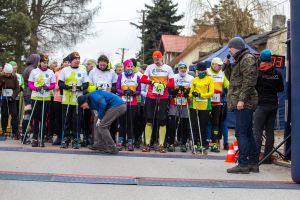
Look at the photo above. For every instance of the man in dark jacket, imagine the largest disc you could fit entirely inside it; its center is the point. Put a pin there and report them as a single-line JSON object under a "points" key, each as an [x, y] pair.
{"points": [[242, 98], [269, 83], [9, 87]]}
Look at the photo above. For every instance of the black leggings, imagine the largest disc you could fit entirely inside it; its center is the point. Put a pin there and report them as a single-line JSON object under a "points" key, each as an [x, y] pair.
{"points": [[126, 122], [215, 119], [182, 132], [37, 118], [71, 122], [203, 119]]}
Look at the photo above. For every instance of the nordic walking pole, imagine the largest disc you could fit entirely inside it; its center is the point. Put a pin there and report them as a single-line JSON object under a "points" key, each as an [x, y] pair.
{"points": [[157, 124], [26, 131], [65, 121], [42, 123], [192, 134], [199, 130]]}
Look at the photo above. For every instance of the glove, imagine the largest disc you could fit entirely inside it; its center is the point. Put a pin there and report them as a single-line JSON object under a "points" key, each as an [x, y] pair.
{"points": [[69, 87], [45, 87], [186, 93], [79, 88], [128, 92], [10, 99], [98, 123], [172, 91], [39, 89], [196, 94], [181, 88], [159, 86]]}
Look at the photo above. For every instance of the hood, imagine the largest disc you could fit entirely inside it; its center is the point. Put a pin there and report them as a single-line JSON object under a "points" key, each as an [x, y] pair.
{"points": [[33, 60], [265, 66]]}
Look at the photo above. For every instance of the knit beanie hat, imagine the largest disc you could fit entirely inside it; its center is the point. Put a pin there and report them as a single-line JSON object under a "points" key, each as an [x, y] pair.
{"points": [[73, 56], [82, 99], [265, 55], [8, 68], [237, 43], [127, 62], [201, 66], [44, 57], [13, 63]]}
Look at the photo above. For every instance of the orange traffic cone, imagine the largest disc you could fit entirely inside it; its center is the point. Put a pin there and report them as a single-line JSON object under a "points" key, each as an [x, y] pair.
{"points": [[230, 157]]}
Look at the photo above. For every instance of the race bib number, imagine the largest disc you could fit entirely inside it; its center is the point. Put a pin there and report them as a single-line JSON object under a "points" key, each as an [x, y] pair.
{"points": [[216, 98], [154, 91], [127, 99], [199, 99], [180, 101], [7, 92]]}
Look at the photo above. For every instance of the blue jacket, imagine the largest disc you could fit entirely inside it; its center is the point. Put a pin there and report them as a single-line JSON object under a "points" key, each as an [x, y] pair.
{"points": [[102, 101]]}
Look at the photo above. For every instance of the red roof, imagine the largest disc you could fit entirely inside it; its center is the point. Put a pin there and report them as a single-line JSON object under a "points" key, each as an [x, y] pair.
{"points": [[175, 43]]}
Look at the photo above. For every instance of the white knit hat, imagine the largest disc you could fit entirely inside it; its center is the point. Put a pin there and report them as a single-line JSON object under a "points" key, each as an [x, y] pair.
{"points": [[8, 68]]}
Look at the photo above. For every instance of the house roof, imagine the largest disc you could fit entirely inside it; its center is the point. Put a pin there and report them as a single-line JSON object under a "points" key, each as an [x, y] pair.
{"points": [[262, 38], [175, 43], [206, 33]]}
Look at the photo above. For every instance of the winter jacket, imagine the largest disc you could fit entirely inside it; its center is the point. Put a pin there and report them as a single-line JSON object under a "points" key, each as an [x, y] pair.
{"points": [[269, 83], [101, 101], [205, 87], [31, 62], [242, 77], [9, 86]]}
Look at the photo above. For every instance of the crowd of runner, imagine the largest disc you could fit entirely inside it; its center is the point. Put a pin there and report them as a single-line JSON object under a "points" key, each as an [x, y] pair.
{"points": [[130, 105]]}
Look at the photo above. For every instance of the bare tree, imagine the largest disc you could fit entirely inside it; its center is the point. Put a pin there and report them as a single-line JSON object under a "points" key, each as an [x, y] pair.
{"points": [[233, 17], [56, 23]]}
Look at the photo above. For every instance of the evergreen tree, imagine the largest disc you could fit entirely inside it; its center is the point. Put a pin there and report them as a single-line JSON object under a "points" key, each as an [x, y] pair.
{"points": [[160, 19], [15, 30]]}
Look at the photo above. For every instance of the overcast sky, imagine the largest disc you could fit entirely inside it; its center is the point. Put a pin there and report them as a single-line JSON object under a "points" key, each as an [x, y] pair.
{"points": [[114, 35]]}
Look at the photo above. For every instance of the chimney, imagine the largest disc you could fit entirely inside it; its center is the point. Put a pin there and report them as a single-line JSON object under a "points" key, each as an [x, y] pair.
{"points": [[279, 21]]}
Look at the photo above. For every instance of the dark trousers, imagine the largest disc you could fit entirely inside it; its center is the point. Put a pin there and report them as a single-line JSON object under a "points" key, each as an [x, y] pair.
{"points": [[71, 119], [58, 118], [87, 124], [243, 131], [126, 122], [51, 122], [139, 123], [203, 120], [11, 106], [215, 119], [264, 119], [38, 114], [182, 129]]}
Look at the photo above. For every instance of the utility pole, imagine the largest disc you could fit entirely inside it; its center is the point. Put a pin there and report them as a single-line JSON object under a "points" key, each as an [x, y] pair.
{"points": [[143, 36], [123, 53]]}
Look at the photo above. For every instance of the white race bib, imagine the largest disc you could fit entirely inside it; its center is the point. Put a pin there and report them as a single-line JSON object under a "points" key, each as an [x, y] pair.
{"points": [[7, 92], [180, 101], [127, 99], [216, 98], [199, 99]]}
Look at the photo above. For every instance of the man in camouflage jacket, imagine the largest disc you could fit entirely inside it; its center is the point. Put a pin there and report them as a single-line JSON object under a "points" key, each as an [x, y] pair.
{"points": [[242, 99]]}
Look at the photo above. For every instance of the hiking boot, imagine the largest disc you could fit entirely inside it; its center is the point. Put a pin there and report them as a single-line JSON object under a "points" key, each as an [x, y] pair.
{"points": [[42, 144], [238, 169], [75, 144], [110, 150], [183, 148], [120, 146], [65, 144], [146, 148], [34, 143], [130, 147], [57, 141], [171, 148], [162, 149], [226, 147], [253, 168], [214, 148]]}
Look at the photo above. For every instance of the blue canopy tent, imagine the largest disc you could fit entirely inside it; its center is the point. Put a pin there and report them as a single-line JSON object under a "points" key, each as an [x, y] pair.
{"points": [[222, 53]]}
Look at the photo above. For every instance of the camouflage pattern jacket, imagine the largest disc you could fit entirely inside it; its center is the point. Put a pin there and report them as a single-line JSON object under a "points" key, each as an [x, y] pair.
{"points": [[242, 77]]}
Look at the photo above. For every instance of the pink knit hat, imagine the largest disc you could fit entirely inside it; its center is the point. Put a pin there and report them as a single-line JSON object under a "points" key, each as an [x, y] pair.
{"points": [[127, 62]]}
